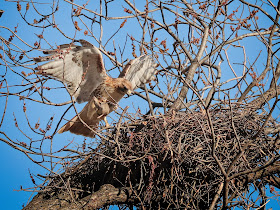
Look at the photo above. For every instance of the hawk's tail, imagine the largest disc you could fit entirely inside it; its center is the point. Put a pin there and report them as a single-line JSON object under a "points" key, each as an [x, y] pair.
{"points": [[87, 126]]}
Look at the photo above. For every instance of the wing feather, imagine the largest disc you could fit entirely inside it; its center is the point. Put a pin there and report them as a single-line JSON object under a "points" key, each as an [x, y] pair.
{"points": [[81, 68], [139, 71]]}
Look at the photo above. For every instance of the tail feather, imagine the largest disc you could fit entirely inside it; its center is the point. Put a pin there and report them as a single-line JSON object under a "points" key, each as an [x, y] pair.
{"points": [[90, 119]]}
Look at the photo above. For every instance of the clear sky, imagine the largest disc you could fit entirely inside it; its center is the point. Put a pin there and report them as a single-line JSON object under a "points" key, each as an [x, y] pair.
{"points": [[14, 165]]}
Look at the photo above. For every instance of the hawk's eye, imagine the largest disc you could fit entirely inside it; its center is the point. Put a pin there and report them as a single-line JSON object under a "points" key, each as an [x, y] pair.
{"points": [[124, 89]]}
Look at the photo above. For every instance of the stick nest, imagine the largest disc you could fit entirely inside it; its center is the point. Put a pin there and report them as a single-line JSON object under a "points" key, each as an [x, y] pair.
{"points": [[176, 160]]}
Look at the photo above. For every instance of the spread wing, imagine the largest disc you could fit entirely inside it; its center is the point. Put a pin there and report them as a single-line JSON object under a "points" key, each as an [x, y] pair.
{"points": [[139, 71], [81, 68]]}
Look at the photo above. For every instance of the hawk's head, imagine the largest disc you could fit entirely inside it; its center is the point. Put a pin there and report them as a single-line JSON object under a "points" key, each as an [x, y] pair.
{"points": [[123, 86]]}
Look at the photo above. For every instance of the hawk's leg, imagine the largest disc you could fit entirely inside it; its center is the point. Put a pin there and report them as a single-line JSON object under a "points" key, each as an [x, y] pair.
{"points": [[106, 122], [111, 107], [103, 109]]}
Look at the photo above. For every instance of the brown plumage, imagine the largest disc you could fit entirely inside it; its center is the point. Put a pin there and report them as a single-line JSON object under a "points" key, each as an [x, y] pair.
{"points": [[82, 70], [108, 95]]}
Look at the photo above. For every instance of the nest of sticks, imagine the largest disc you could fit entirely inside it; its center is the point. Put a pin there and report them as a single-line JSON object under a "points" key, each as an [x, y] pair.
{"points": [[175, 160]]}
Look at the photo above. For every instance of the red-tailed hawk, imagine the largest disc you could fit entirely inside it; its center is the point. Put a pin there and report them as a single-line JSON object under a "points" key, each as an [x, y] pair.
{"points": [[82, 71]]}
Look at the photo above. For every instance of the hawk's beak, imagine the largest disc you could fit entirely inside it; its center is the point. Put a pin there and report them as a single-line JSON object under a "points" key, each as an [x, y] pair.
{"points": [[129, 92]]}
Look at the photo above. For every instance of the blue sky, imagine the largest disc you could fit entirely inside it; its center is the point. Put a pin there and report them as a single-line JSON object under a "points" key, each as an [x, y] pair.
{"points": [[15, 165]]}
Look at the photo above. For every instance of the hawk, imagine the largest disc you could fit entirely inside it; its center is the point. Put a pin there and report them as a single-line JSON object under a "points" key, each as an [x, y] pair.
{"points": [[82, 71]]}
